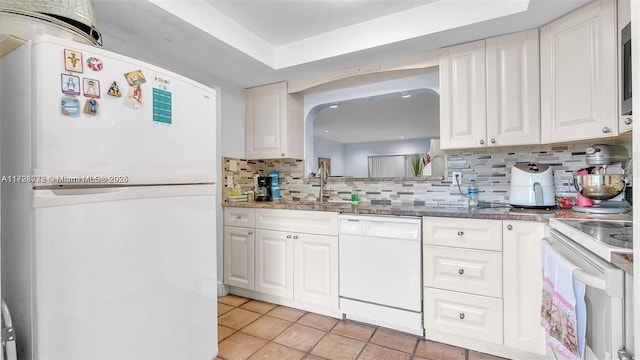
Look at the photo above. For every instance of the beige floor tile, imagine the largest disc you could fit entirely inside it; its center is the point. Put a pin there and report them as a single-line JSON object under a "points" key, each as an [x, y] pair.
{"points": [[240, 346], [354, 330], [286, 313], [237, 318], [224, 332], [438, 351], [336, 347], [224, 308], [266, 327], [395, 340], [233, 300], [375, 352], [312, 357], [474, 355], [317, 321], [258, 306], [300, 337], [273, 351]]}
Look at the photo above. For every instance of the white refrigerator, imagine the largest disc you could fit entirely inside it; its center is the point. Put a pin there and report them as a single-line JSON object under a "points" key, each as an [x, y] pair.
{"points": [[108, 205]]}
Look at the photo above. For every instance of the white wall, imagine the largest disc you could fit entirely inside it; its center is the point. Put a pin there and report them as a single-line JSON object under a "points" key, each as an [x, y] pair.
{"points": [[356, 155], [328, 149]]}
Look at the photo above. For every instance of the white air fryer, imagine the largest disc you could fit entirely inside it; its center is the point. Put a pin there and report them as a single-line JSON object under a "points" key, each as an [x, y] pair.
{"points": [[532, 186]]}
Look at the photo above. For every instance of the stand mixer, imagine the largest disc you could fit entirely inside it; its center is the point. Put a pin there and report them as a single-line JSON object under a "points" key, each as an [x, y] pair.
{"points": [[606, 181]]}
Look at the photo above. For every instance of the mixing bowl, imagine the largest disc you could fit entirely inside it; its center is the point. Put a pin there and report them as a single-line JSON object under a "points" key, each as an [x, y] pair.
{"points": [[599, 187]]}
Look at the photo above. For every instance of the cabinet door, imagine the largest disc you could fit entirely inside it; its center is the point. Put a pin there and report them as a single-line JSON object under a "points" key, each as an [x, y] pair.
{"points": [[523, 285], [316, 269], [274, 123], [463, 118], [513, 89], [274, 263], [239, 257], [578, 81]]}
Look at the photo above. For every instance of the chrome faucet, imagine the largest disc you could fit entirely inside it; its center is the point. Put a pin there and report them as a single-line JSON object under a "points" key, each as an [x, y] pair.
{"points": [[322, 173]]}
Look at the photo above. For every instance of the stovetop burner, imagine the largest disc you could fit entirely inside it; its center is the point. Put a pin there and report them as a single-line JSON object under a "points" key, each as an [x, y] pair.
{"points": [[613, 233]]}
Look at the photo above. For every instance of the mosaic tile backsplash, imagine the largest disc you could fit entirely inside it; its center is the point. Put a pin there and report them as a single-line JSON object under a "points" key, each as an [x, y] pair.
{"points": [[491, 168]]}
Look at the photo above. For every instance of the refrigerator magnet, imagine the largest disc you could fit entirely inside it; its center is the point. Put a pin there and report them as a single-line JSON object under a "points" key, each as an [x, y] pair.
{"points": [[91, 107], [114, 90], [135, 78], [91, 88], [70, 106], [134, 97], [72, 60], [70, 84], [94, 63]]}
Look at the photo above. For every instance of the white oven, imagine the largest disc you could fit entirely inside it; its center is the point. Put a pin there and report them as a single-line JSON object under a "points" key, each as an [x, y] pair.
{"points": [[609, 328]]}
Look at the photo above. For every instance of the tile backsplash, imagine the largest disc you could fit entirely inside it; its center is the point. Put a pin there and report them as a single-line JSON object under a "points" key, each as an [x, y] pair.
{"points": [[491, 168]]}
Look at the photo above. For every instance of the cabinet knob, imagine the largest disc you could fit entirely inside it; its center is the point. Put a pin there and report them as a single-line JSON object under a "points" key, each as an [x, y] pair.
{"points": [[461, 271], [281, 154], [250, 232], [481, 142], [493, 141], [460, 233], [628, 121], [461, 315], [295, 236], [288, 236], [606, 130], [509, 227], [238, 217]]}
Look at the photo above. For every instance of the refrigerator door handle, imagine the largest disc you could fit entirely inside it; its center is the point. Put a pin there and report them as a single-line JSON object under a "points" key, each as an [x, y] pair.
{"points": [[59, 197]]}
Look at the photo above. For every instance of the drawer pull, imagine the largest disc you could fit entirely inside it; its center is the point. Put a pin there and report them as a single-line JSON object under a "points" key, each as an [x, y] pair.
{"points": [[461, 271], [288, 236], [295, 236], [460, 233], [628, 121], [238, 217], [462, 316], [606, 130], [250, 232], [509, 227]]}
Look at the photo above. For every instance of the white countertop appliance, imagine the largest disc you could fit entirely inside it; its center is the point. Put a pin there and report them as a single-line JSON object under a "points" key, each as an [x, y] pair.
{"points": [[588, 244], [380, 261], [532, 186], [108, 249]]}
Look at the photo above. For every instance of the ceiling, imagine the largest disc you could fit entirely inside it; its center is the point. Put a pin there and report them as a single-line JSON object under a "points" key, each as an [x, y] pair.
{"points": [[246, 43]]}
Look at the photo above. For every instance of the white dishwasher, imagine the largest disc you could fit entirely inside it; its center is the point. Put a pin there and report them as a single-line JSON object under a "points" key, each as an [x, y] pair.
{"points": [[380, 261]]}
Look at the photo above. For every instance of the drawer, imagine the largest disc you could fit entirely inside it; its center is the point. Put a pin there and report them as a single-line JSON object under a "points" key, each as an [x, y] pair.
{"points": [[299, 221], [241, 217], [473, 316], [471, 271], [465, 233]]}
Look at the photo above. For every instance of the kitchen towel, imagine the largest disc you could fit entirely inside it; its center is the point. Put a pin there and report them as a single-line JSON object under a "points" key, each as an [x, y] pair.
{"points": [[563, 312]]}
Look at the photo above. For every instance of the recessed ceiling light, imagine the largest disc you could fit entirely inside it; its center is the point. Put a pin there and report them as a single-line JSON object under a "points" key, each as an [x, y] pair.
{"points": [[334, 106], [326, 131], [401, 136], [406, 95]]}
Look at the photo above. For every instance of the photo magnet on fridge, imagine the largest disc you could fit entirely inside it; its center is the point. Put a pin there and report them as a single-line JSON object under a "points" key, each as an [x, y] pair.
{"points": [[94, 63], [91, 88], [134, 97], [114, 90], [70, 106], [72, 60], [70, 84], [135, 78], [91, 107]]}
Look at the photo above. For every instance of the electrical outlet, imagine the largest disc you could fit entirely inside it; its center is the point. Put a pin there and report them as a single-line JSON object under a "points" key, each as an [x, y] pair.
{"points": [[456, 177]]}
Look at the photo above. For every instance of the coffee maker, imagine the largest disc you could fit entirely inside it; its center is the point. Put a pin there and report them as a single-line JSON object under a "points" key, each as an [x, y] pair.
{"points": [[264, 189], [604, 180]]}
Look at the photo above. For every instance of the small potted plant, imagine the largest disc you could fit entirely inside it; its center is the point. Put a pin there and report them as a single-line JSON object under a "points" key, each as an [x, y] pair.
{"points": [[416, 165]]}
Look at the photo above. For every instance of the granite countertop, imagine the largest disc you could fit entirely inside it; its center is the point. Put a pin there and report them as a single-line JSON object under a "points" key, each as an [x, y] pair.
{"points": [[497, 213]]}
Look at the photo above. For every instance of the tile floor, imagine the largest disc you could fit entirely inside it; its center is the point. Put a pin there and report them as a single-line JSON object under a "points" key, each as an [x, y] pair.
{"points": [[252, 329]]}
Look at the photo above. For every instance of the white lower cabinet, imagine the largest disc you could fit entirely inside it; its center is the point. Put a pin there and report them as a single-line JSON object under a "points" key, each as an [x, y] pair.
{"points": [[290, 258], [274, 263], [523, 285], [483, 285]]}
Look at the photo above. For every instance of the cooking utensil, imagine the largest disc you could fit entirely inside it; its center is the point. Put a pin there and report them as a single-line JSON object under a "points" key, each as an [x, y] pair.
{"points": [[599, 187]]}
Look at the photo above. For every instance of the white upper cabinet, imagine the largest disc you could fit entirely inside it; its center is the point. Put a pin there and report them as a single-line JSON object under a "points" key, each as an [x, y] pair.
{"points": [[513, 89], [274, 123], [578, 82], [463, 114], [490, 93]]}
